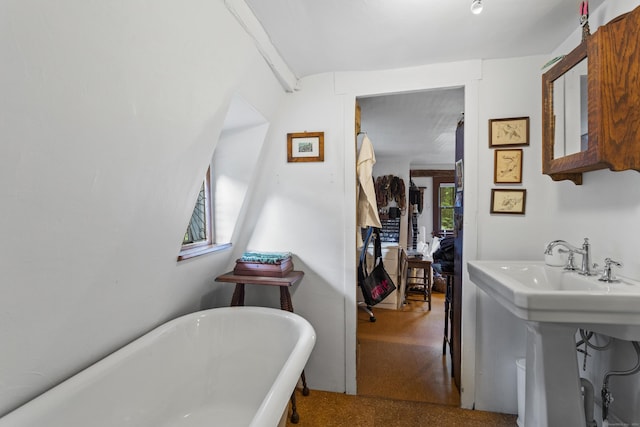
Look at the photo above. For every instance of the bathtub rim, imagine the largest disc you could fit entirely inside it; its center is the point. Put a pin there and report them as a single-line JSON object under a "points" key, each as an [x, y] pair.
{"points": [[267, 414]]}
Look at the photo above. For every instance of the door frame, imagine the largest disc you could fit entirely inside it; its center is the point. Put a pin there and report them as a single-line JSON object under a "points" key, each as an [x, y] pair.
{"points": [[465, 74]]}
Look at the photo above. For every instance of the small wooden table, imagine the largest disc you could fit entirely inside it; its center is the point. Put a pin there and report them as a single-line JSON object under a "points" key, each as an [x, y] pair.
{"points": [[285, 304], [425, 266], [283, 282]]}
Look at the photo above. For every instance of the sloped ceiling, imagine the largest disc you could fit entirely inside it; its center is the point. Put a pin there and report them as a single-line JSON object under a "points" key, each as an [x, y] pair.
{"points": [[315, 36]]}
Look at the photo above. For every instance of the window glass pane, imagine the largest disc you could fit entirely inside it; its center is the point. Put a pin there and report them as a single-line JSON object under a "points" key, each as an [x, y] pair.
{"points": [[197, 229], [447, 199]]}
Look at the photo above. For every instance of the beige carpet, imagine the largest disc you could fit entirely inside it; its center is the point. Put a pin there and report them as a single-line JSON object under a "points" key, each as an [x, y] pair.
{"points": [[323, 409], [400, 355], [403, 379]]}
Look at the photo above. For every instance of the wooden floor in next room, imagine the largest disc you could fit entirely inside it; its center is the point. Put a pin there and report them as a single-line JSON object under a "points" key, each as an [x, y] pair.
{"points": [[403, 379]]}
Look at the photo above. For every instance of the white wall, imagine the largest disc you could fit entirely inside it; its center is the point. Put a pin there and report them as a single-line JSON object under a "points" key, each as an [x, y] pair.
{"points": [[309, 208], [299, 207], [234, 163], [509, 88], [108, 119], [605, 209], [504, 88], [109, 115]]}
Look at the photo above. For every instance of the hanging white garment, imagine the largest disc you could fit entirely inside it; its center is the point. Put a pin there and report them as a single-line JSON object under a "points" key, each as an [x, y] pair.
{"points": [[366, 194]]}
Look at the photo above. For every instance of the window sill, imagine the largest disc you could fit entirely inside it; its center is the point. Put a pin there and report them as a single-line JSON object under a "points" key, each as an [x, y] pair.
{"points": [[202, 250]]}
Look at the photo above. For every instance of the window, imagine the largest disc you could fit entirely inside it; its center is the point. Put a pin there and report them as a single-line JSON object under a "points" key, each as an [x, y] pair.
{"points": [[445, 205], [199, 228], [444, 196], [199, 236], [225, 189]]}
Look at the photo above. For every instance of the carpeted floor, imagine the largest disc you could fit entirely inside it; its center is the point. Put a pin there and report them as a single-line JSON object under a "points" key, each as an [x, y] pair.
{"points": [[403, 379], [323, 409], [400, 355]]}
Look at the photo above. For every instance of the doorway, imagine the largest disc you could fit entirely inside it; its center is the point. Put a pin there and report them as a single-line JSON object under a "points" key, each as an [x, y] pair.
{"points": [[400, 355]]}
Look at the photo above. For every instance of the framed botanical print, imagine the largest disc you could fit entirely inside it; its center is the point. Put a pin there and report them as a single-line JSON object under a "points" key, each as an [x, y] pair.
{"points": [[509, 132], [508, 201], [507, 166]]}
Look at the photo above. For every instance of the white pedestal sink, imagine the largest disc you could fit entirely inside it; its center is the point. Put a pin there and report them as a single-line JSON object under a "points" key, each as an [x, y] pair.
{"points": [[555, 303]]}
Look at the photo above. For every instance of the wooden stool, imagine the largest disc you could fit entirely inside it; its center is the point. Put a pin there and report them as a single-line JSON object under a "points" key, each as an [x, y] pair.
{"points": [[285, 304], [424, 280], [448, 314]]}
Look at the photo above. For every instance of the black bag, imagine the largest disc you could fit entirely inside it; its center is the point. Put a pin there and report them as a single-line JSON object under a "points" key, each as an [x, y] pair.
{"points": [[376, 285]]}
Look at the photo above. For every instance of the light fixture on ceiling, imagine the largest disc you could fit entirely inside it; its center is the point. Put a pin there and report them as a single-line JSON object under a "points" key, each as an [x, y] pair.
{"points": [[476, 7]]}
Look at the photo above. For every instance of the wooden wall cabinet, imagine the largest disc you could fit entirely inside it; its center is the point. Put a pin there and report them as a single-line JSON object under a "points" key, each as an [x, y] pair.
{"points": [[613, 103]]}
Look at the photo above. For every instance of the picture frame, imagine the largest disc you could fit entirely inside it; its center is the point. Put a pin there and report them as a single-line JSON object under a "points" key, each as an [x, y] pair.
{"points": [[508, 201], [305, 147], [507, 166], [509, 132], [459, 176]]}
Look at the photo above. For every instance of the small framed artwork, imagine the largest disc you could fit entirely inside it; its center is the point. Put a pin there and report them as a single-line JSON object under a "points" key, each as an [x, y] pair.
{"points": [[509, 132], [508, 201], [507, 166], [305, 147], [459, 176]]}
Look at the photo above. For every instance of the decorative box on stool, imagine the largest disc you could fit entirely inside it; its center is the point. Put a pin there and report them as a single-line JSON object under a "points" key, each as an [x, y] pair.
{"points": [[270, 264]]}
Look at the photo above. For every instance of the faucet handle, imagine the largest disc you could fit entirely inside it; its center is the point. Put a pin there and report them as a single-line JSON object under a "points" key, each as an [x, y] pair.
{"points": [[609, 261], [607, 272], [570, 266]]}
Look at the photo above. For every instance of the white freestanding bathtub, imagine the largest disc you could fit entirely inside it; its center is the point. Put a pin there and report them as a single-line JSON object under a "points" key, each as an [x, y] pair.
{"points": [[226, 367]]}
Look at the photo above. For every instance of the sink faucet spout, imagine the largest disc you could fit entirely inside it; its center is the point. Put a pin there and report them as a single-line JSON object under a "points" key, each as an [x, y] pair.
{"points": [[555, 243], [585, 251]]}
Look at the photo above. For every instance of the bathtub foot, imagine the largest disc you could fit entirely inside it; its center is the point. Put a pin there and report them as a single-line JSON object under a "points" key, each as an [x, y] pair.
{"points": [[294, 409], [305, 389]]}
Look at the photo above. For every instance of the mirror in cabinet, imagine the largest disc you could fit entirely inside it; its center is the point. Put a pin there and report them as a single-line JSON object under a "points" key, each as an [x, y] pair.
{"points": [[590, 117], [571, 124], [565, 117]]}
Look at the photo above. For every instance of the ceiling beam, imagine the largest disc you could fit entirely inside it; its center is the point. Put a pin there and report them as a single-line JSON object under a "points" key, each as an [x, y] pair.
{"points": [[252, 26]]}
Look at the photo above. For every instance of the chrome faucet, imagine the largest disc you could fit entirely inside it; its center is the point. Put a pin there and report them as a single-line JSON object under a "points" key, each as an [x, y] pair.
{"points": [[585, 251], [607, 273]]}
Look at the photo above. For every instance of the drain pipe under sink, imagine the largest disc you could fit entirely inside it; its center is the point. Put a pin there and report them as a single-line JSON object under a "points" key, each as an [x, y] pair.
{"points": [[588, 402], [607, 398]]}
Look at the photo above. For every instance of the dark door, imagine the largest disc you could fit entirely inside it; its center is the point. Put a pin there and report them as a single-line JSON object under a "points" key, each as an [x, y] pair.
{"points": [[458, 212]]}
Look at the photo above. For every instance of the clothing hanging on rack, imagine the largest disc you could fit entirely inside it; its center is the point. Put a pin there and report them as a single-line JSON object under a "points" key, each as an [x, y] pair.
{"points": [[367, 208], [367, 215]]}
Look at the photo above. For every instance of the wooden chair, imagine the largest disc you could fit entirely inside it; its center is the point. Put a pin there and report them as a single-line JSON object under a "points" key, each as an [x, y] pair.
{"points": [[448, 316], [419, 282]]}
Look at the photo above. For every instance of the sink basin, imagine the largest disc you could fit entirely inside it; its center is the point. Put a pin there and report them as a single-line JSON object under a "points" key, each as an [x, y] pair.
{"points": [[555, 303], [536, 292]]}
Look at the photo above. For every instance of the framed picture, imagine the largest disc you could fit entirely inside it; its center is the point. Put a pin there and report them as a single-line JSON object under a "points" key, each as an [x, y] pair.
{"points": [[508, 201], [513, 131], [305, 147], [507, 166], [459, 176]]}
